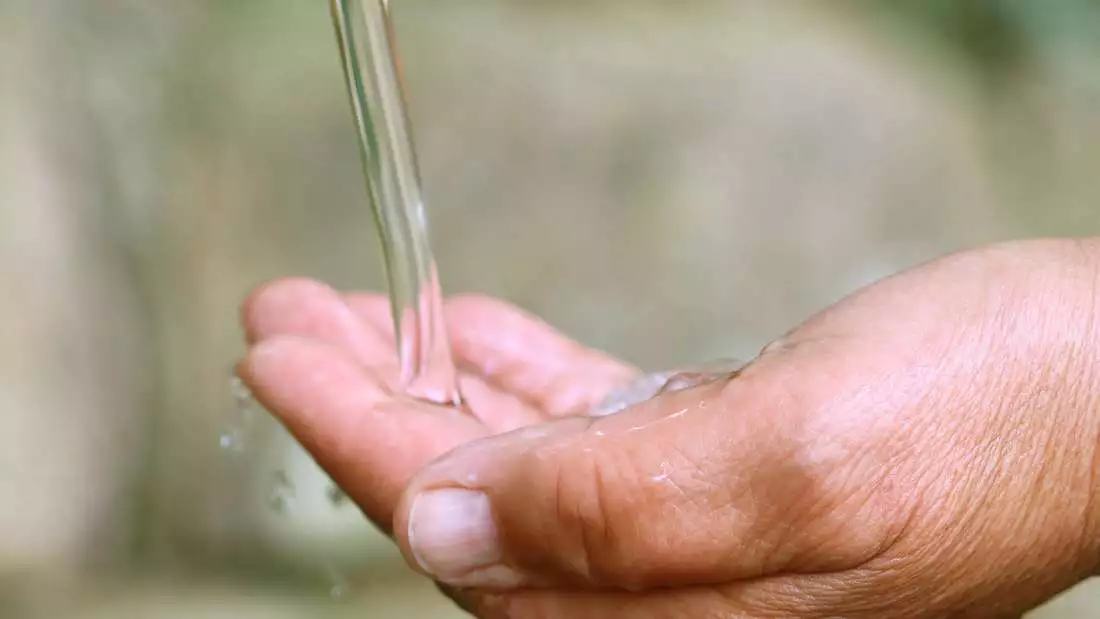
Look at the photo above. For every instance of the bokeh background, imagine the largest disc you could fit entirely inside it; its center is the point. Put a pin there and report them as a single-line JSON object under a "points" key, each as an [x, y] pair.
{"points": [[671, 181]]}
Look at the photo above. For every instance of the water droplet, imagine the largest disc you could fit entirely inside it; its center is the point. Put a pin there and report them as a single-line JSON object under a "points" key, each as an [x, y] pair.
{"points": [[336, 496], [277, 504], [281, 494], [240, 391], [650, 386], [243, 421], [339, 588]]}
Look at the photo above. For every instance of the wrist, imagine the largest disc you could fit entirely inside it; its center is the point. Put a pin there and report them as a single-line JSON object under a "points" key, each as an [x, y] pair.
{"points": [[1080, 347], [1090, 404], [1083, 361], [1059, 292]]}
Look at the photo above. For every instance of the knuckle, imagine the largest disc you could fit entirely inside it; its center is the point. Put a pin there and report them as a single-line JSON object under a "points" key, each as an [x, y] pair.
{"points": [[597, 508]]}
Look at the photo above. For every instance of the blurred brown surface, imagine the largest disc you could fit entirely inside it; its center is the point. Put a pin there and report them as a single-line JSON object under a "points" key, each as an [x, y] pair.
{"points": [[671, 182]]}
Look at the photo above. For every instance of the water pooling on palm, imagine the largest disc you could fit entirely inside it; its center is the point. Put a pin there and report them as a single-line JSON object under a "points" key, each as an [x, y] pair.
{"points": [[366, 44]]}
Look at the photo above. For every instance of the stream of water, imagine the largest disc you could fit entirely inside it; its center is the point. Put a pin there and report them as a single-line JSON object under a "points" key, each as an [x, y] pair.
{"points": [[364, 34], [372, 72]]}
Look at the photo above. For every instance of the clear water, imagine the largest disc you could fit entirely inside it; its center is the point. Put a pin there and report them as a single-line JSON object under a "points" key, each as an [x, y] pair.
{"points": [[364, 35], [649, 386], [365, 39], [239, 432]]}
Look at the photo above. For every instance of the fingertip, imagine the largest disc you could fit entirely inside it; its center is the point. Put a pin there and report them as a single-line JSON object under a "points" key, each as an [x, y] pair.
{"points": [[310, 309], [283, 305], [249, 310], [298, 378], [265, 358]]}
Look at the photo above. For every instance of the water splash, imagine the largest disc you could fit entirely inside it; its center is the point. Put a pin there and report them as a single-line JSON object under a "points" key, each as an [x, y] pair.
{"points": [[364, 34], [339, 586], [653, 385], [243, 426], [281, 493], [251, 436]]}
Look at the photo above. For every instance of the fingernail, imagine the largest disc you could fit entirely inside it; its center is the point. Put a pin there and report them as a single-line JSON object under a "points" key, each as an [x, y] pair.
{"points": [[454, 538]]}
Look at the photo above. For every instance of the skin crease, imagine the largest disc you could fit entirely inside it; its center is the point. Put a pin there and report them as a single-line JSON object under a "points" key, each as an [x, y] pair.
{"points": [[925, 448]]}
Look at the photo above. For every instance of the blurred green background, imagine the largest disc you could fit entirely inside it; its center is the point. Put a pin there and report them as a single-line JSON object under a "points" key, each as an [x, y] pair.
{"points": [[671, 181]]}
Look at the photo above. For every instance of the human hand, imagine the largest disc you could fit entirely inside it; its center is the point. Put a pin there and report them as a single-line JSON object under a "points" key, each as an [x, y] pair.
{"points": [[925, 448]]}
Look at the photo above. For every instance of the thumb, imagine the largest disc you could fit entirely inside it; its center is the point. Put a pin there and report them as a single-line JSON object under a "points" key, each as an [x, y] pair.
{"points": [[698, 486]]}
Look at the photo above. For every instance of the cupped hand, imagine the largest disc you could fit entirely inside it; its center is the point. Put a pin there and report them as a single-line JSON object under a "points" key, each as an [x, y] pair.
{"points": [[324, 363], [925, 448]]}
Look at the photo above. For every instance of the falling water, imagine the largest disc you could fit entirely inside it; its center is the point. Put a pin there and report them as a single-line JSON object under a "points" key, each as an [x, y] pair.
{"points": [[364, 33], [365, 39]]}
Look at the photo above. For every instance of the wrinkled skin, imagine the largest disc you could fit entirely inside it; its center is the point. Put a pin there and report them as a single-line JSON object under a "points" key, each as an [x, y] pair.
{"points": [[925, 448]]}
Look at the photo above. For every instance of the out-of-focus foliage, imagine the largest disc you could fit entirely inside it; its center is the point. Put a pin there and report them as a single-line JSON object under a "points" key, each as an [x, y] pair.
{"points": [[997, 37]]}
